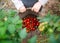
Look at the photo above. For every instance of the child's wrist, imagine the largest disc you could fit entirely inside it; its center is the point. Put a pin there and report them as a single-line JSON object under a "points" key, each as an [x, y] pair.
{"points": [[39, 3], [43, 2]]}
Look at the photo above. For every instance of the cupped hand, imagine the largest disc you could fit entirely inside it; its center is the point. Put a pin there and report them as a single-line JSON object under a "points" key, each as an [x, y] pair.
{"points": [[22, 9], [36, 7]]}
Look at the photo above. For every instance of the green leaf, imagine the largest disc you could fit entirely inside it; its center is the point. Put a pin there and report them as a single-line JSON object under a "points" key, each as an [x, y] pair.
{"points": [[56, 24], [12, 13], [58, 40], [52, 39], [10, 19], [19, 24], [6, 24], [7, 41], [15, 19], [2, 14], [58, 29], [2, 31], [50, 31], [33, 39], [1, 23], [4, 36], [23, 33], [11, 28], [45, 20]]}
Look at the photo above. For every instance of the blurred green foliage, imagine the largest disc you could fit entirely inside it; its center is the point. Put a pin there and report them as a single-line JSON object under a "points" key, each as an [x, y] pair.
{"points": [[51, 24], [11, 28]]}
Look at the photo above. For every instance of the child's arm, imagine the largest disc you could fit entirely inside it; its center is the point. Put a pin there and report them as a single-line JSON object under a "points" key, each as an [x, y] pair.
{"points": [[19, 5]]}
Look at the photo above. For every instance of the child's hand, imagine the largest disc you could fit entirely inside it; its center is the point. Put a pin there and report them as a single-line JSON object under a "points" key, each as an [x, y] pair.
{"points": [[22, 9], [36, 7]]}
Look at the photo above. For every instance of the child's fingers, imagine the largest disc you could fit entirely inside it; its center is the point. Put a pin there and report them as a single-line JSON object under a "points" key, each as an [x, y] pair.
{"points": [[32, 8], [22, 10], [36, 10]]}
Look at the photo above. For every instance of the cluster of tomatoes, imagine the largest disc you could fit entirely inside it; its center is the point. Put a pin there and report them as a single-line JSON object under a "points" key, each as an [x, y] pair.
{"points": [[31, 23]]}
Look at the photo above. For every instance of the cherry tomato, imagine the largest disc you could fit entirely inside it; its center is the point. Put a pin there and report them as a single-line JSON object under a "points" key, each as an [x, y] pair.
{"points": [[30, 23]]}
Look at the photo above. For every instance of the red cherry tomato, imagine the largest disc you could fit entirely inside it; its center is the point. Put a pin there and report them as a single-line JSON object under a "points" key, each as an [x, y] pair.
{"points": [[30, 23], [33, 29]]}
